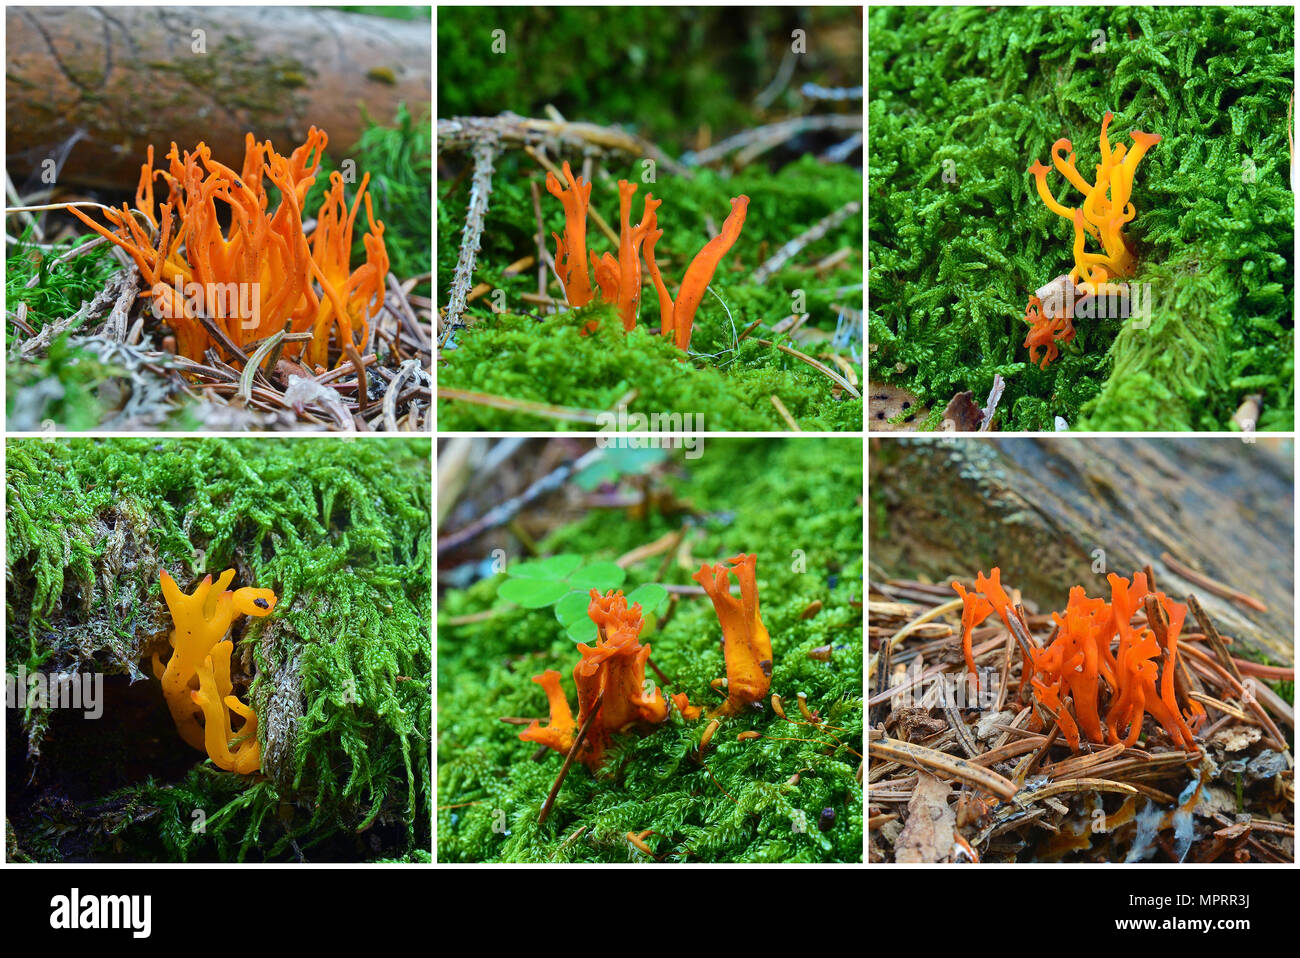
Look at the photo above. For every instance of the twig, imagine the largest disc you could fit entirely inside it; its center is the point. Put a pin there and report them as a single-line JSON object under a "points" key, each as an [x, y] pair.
{"points": [[466, 130], [761, 139], [568, 759], [271, 343], [1212, 634], [1211, 585], [390, 397], [592, 213], [543, 258], [1067, 785], [500, 515], [220, 336], [484, 151], [363, 391], [785, 413], [808, 237], [815, 364], [927, 759], [545, 410], [406, 314]]}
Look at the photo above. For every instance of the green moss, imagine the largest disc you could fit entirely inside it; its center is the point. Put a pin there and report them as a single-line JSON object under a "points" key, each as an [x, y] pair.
{"points": [[340, 530], [552, 363], [519, 357], [982, 93], [794, 504], [52, 290]]}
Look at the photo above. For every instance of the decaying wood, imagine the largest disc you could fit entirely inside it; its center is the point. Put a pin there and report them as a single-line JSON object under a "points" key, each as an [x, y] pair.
{"points": [[118, 79], [1041, 509]]}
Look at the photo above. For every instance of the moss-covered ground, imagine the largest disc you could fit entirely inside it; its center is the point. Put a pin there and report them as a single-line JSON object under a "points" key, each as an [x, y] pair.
{"points": [[525, 356], [797, 506], [963, 100], [340, 672]]}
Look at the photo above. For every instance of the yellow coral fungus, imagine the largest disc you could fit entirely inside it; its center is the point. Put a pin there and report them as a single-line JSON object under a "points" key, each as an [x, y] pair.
{"points": [[746, 644], [262, 274], [1105, 208], [1102, 215], [214, 698], [196, 678]]}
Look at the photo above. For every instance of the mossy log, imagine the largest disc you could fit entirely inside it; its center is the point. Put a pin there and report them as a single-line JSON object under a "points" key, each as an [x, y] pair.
{"points": [[1050, 511], [103, 84]]}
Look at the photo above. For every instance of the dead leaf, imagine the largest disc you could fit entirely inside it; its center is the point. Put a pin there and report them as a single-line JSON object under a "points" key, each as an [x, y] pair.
{"points": [[1236, 737], [962, 412], [931, 826]]}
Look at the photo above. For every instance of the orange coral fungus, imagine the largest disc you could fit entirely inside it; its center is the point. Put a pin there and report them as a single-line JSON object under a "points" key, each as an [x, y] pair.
{"points": [[201, 657], [1081, 668], [571, 250], [615, 668], [619, 279], [698, 275], [746, 644], [262, 274], [1045, 331]]}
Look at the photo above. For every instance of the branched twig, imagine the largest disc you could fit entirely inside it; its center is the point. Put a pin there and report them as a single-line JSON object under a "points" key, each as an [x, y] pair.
{"points": [[485, 151], [812, 235], [585, 137], [761, 139], [500, 515], [568, 760]]}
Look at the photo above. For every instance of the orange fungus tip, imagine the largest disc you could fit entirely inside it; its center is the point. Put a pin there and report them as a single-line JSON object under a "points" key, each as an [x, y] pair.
{"points": [[619, 279]]}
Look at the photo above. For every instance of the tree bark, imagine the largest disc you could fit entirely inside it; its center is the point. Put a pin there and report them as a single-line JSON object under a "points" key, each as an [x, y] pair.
{"points": [[103, 83], [1040, 509]]}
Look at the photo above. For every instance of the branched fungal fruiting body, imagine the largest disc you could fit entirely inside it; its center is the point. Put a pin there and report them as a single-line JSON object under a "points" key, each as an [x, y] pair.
{"points": [[1137, 675], [747, 646], [571, 249], [1106, 208], [1046, 331], [611, 673], [619, 279], [201, 657], [262, 275]]}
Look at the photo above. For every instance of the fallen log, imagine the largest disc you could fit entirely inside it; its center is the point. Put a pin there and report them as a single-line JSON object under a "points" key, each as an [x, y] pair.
{"points": [[93, 87]]}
